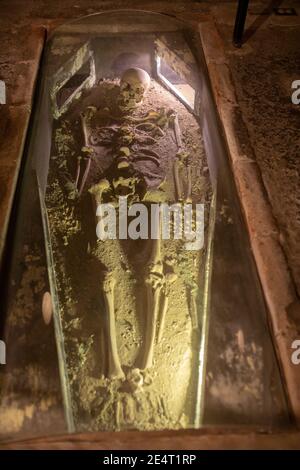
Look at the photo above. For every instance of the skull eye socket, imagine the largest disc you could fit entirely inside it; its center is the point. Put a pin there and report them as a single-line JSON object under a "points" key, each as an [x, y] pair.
{"points": [[125, 86]]}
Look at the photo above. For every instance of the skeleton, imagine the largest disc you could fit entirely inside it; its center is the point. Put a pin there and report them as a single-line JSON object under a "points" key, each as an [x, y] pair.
{"points": [[135, 82], [155, 279], [132, 135]]}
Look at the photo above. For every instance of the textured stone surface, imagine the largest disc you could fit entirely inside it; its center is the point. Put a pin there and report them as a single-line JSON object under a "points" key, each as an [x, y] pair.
{"points": [[262, 132], [204, 439], [265, 145], [14, 129], [19, 61], [273, 123]]}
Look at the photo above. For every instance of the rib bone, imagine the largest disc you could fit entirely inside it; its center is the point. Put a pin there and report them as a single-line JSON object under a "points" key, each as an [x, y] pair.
{"points": [[181, 156], [177, 163], [85, 116]]}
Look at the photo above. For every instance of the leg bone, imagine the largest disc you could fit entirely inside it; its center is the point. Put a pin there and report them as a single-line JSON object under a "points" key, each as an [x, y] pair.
{"points": [[192, 294], [114, 366], [97, 192], [154, 285], [85, 116], [177, 132], [169, 279]]}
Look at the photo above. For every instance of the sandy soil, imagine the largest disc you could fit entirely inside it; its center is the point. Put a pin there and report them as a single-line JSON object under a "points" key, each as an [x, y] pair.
{"points": [[273, 123], [165, 394]]}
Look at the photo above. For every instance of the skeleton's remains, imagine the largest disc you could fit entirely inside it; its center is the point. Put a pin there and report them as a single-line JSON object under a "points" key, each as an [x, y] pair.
{"points": [[154, 328], [132, 311]]}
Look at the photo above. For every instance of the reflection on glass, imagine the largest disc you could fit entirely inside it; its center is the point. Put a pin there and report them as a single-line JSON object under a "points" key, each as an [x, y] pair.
{"points": [[150, 333]]}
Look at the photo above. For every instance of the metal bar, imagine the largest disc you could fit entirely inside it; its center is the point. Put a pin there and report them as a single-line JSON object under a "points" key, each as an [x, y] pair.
{"points": [[240, 20]]}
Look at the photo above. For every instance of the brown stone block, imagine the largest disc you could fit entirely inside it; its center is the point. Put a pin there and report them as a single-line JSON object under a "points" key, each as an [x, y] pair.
{"points": [[212, 43], [21, 44], [257, 212], [19, 61], [7, 184], [221, 79], [205, 438], [271, 263], [11, 144], [3, 121], [11, 150], [19, 79]]}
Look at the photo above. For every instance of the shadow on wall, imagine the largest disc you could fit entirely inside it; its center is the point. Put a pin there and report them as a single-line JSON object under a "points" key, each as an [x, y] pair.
{"points": [[261, 19]]}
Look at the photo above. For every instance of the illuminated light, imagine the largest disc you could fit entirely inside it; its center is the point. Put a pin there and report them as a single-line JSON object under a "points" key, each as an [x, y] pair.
{"points": [[185, 92], [206, 318]]}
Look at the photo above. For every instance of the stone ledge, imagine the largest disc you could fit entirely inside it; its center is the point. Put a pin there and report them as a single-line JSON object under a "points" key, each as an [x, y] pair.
{"points": [[21, 44], [202, 439], [19, 79], [11, 150], [16, 113], [277, 284]]}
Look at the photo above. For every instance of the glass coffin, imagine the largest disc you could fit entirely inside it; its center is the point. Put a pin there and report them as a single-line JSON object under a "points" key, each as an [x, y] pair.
{"points": [[159, 318]]}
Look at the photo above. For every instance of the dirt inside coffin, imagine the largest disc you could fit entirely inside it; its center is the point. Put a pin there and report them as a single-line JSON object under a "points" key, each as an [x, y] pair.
{"points": [[163, 396]]}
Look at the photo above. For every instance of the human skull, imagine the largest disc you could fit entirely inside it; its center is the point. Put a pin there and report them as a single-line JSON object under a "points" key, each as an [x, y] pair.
{"points": [[134, 83]]}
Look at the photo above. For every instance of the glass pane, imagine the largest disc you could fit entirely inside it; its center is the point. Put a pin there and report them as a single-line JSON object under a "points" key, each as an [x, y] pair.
{"points": [[152, 331]]}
